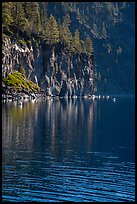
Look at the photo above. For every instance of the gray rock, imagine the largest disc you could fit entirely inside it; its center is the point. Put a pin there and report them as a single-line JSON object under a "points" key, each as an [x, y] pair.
{"points": [[55, 70]]}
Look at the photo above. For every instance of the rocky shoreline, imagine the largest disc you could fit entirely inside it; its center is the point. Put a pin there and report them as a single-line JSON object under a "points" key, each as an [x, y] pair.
{"points": [[32, 96], [21, 96]]}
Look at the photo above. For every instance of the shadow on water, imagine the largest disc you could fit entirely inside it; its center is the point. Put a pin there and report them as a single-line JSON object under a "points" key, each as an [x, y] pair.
{"points": [[68, 150]]}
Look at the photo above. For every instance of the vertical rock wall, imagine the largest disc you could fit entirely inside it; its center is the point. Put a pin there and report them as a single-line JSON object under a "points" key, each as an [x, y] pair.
{"points": [[53, 68]]}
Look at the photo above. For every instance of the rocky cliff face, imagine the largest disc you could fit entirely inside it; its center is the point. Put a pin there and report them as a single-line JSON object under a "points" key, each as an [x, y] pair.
{"points": [[111, 26], [57, 71]]}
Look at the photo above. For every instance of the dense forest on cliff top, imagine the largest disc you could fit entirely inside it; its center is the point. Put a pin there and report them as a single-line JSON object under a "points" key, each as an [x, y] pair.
{"points": [[25, 20], [106, 26]]}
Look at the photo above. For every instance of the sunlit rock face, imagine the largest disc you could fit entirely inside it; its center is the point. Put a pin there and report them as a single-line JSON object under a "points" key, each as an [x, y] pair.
{"points": [[57, 71]]}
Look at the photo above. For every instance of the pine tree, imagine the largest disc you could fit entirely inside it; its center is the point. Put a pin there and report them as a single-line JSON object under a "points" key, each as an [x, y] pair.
{"points": [[77, 44], [69, 39], [6, 15], [27, 9], [32, 13], [65, 35], [43, 17], [35, 18], [52, 31], [66, 20], [19, 20], [88, 46]]}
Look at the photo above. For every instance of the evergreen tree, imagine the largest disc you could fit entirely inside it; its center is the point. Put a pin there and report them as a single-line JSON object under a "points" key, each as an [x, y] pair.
{"points": [[65, 35], [43, 17], [88, 45], [32, 13], [19, 20], [35, 18], [66, 20], [31, 17], [77, 44], [27, 9], [52, 31], [69, 39], [6, 15]]}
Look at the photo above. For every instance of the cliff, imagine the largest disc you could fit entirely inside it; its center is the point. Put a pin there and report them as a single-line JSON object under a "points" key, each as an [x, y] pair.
{"points": [[111, 26], [53, 68]]}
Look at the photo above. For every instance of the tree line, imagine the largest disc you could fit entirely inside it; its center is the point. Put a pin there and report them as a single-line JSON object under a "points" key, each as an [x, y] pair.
{"points": [[31, 18]]}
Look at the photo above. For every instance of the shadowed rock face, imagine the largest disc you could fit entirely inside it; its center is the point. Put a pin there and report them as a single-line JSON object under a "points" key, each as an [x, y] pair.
{"points": [[111, 26], [57, 71]]}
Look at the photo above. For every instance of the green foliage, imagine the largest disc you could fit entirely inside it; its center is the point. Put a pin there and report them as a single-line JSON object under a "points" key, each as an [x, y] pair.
{"points": [[66, 20], [35, 17], [43, 17], [7, 18], [65, 35], [19, 82], [22, 42], [22, 71], [52, 31], [77, 44], [27, 9], [28, 20], [19, 20], [88, 46], [4, 36]]}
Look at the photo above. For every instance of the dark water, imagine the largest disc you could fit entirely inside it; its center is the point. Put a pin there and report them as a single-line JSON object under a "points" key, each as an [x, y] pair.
{"points": [[76, 150]]}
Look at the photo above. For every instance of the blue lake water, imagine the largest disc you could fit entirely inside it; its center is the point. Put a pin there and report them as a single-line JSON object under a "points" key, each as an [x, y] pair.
{"points": [[69, 150]]}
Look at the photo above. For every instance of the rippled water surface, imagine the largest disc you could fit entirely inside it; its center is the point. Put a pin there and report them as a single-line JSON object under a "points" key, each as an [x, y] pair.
{"points": [[75, 150]]}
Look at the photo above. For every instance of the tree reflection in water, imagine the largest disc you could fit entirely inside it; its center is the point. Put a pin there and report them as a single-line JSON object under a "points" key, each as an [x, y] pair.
{"points": [[48, 123]]}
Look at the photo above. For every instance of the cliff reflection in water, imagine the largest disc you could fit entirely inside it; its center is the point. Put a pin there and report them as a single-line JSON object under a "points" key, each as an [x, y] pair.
{"points": [[17, 125], [46, 124]]}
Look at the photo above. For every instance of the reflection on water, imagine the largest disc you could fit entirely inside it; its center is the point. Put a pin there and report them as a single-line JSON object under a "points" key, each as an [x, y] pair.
{"points": [[18, 121], [30, 124], [68, 150]]}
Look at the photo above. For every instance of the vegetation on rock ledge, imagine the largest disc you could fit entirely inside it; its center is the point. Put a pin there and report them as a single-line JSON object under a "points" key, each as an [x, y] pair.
{"points": [[20, 83]]}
